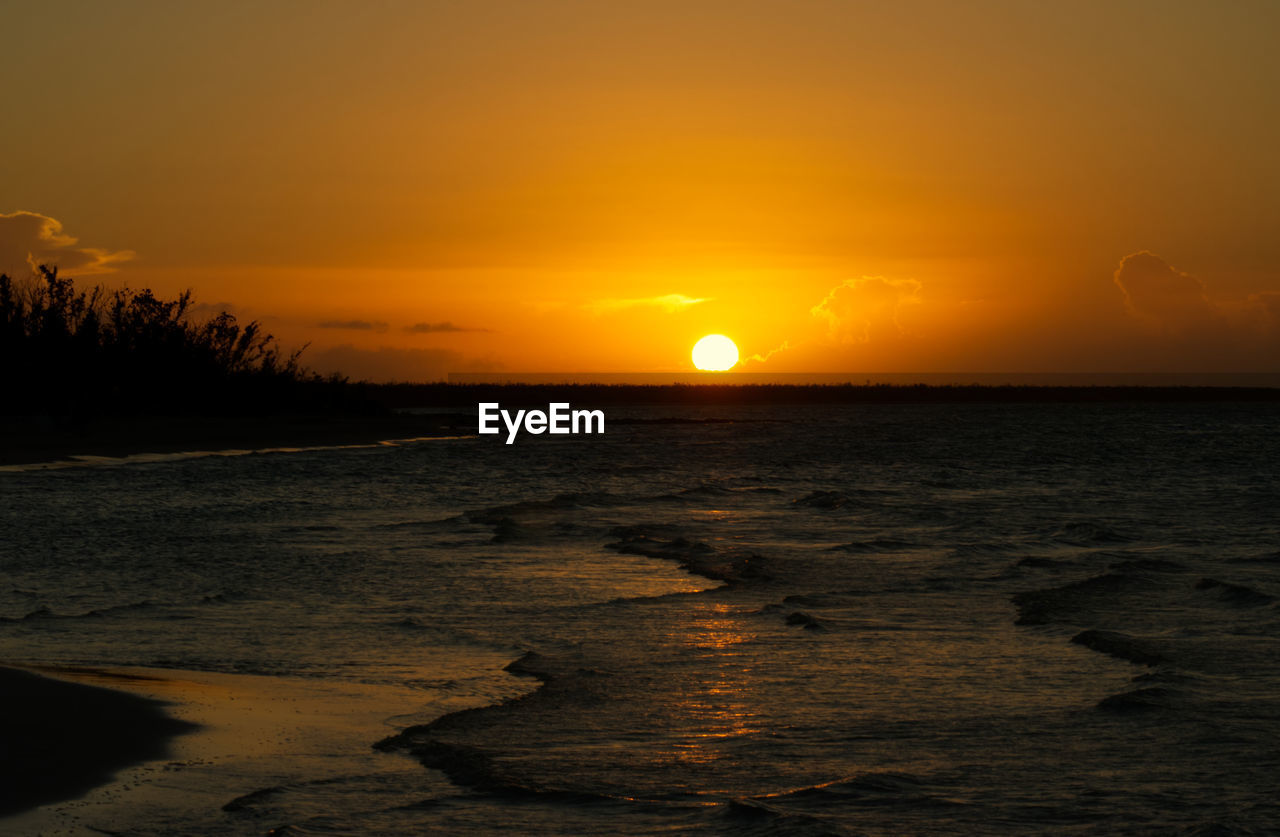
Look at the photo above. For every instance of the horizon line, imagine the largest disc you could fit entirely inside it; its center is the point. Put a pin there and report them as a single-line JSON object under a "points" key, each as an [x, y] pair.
{"points": [[1254, 379]]}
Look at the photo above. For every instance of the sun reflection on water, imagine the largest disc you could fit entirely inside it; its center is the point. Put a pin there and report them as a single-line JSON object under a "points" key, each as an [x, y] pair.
{"points": [[714, 711]]}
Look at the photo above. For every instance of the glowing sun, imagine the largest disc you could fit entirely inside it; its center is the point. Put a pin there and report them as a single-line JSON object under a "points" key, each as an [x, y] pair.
{"points": [[715, 353]]}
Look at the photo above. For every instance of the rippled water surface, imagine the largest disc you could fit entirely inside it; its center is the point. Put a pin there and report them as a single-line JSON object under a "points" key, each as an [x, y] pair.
{"points": [[863, 620]]}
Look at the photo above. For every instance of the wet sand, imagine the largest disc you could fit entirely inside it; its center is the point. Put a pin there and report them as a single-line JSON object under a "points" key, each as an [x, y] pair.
{"points": [[106, 760], [60, 739]]}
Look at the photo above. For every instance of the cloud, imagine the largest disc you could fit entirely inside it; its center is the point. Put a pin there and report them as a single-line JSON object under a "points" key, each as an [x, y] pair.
{"points": [[855, 311], [380, 327], [759, 358], [387, 363], [28, 240], [354, 325], [438, 328], [1180, 326], [858, 309], [670, 303], [1164, 298]]}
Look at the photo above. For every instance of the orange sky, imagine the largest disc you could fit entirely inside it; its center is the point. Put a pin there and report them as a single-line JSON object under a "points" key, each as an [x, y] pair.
{"points": [[417, 188]]}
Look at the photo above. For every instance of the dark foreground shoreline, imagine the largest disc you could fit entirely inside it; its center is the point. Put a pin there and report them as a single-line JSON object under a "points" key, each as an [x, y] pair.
{"points": [[58, 740]]}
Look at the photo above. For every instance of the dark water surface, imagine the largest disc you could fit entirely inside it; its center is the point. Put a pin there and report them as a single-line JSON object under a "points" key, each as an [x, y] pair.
{"points": [[1052, 619]]}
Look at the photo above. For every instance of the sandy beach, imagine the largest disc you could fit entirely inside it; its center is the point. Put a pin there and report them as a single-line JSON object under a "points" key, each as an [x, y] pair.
{"points": [[61, 739], [87, 749]]}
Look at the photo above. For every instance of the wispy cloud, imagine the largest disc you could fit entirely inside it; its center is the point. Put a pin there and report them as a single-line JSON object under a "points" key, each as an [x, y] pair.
{"points": [[438, 328], [670, 303], [29, 240], [856, 311], [761, 358], [354, 325]]}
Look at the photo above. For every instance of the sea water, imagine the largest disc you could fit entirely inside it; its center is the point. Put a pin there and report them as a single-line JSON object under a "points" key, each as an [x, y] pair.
{"points": [[931, 619]]}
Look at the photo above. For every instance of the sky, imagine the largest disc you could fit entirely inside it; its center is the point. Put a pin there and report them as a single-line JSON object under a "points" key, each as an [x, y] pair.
{"points": [[418, 188]]}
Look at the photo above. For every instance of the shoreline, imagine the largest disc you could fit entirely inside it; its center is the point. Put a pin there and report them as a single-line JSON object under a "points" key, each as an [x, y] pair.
{"points": [[41, 441], [244, 743], [62, 739]]}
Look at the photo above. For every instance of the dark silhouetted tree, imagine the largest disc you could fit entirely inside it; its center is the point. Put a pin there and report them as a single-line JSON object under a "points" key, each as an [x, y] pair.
{"points": [[69, 351]]}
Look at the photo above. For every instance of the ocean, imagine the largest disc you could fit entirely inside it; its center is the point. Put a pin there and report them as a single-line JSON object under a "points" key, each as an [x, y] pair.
{"points": [[879, 619]]}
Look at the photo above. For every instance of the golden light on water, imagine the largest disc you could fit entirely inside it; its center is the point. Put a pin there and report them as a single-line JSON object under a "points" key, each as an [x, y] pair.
{"points": [[715, 353]]}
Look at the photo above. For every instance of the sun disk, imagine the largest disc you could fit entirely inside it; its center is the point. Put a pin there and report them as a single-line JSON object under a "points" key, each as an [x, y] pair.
{"points": [[715, 353]]}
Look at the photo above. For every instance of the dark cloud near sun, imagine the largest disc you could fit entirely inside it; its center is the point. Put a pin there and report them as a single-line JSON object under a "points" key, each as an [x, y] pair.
{"points": [[438, 328], [354, 325], [380, 327], [29, 240], [387, 363]]}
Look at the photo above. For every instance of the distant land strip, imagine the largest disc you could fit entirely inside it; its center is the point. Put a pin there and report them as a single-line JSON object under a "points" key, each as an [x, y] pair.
{"points": [[461, 395], [1050, 379]]}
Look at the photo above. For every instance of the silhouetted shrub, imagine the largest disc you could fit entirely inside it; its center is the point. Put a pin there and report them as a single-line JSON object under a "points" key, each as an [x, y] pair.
{"points": [[75, 352]]}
